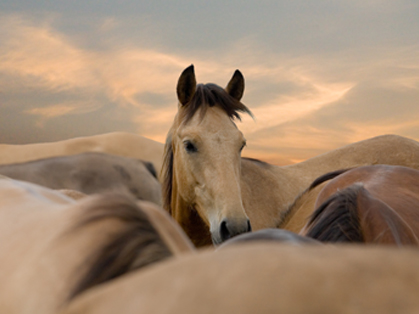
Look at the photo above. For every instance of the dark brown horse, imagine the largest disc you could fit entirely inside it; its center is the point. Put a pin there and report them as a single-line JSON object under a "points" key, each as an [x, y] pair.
{"points": [[371, 204]]}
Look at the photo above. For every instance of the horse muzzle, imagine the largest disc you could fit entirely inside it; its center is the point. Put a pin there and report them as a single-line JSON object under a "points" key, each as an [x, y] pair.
{"points": [[228, 229]]}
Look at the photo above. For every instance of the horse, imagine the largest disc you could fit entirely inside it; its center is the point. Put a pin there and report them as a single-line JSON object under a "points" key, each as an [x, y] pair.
{"points": [[54, 248], [269, 235], [215, 194], [371, 204], [266, 278], [89, 173], [115, 143]]}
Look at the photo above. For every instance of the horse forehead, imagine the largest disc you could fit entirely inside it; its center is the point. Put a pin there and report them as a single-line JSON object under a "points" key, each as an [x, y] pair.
{"points": [[214, 124]]}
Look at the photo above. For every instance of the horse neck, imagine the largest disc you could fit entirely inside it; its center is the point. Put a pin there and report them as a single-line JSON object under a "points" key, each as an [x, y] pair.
{"points": [[190, 221], [267, 192]]}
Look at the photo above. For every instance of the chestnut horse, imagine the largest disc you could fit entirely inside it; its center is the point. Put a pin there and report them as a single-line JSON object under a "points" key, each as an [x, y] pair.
{"points": [[370, 204], [54, 248], [266, 278], [215, 194]]}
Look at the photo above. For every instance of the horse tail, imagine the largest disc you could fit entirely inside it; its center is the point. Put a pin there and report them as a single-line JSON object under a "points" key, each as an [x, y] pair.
{"points": [[336, 220], [326, 177]]}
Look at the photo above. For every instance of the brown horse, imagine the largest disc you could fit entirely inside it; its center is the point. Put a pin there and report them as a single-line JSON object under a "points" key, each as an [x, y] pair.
{"points": [[90, 173], [266, 278], [371, 204], [54, 248], [213, 193], [115, 143]]}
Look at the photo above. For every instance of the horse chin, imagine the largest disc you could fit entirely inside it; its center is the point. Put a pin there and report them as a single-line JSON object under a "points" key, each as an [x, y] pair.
{"points": [[216, 238]]}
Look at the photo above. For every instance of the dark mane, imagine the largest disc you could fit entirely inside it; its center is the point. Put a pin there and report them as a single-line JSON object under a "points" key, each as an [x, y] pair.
{"points": [[136, 244], [286, 215], [257, 161], [336, 220], [167, 175], [210, 95], [150, 167], [325, 177]]}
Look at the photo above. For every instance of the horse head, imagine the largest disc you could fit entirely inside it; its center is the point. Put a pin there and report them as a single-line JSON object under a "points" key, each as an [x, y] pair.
{"points": [[203, 159]]}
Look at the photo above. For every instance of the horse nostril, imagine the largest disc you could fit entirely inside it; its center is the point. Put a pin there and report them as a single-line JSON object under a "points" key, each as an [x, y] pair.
{"points": [[224, 232], [249, 226]]}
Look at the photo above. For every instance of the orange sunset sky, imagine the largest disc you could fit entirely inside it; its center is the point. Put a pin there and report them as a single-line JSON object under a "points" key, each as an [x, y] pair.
{"points": [[319, 74]]}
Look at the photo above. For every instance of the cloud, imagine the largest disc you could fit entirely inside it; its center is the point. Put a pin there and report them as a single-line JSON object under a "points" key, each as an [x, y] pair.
{"points": [[367, 110], [316, 79]]}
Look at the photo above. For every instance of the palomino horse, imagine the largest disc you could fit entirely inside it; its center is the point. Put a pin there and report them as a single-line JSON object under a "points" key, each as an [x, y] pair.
{"points": [[266, 278], [116, 143], [371, 204], [90, 173], [54, 248], [213, 193]]}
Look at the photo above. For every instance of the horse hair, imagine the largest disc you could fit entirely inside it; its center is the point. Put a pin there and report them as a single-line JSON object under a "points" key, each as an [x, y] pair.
{"points": [[150, 167], [208, 95], [257, 161], [135, 245], [325, 177], [336, 220], [167, 174]]}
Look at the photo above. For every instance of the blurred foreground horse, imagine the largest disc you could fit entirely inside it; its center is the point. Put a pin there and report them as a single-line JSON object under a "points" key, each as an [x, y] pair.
{"points": [[266, 278], [214, 194], [54, 248]]}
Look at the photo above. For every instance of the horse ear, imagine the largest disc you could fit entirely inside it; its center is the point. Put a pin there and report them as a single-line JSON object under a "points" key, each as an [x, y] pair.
{"points": [[186, 85], [235, 88]]}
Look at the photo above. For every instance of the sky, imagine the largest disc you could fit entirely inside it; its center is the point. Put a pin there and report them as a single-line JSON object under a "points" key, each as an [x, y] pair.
{"points": [[319, 74]]}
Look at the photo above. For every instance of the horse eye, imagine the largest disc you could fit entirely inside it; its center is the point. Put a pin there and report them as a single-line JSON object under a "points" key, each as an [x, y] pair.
{"points": [[190, 147], [241, 148]]}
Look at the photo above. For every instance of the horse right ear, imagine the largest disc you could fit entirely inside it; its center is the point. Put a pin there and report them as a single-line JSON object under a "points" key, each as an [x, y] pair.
{"points": [[235, 87], [186, 85]]}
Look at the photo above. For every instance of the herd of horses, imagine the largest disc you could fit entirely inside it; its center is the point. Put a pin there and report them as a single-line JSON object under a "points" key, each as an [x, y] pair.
{"points": [[121, 224]]}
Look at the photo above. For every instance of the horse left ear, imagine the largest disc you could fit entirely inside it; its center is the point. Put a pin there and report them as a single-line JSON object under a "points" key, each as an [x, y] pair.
{"points": [[186, 85], [235, 88]]}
